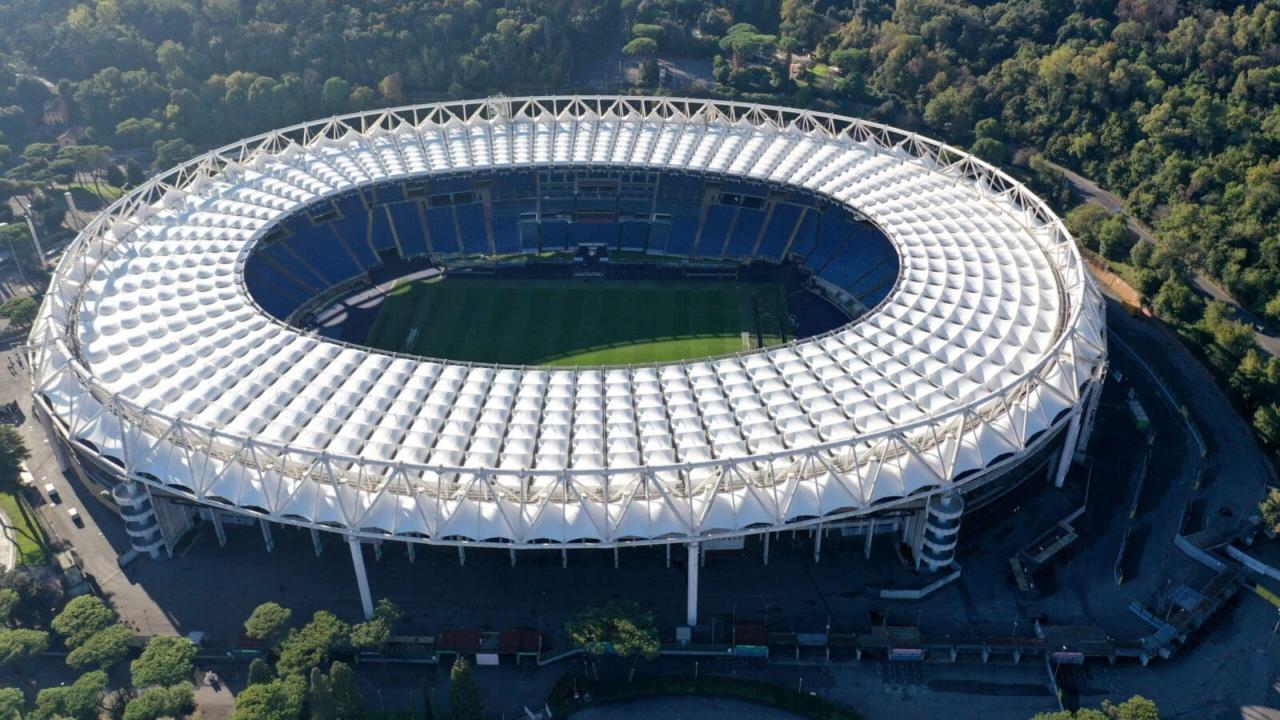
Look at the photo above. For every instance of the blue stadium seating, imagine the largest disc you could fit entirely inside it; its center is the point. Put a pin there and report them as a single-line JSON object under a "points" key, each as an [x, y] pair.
{"points": [[506, 234], [413, 241], [555, 235], [745, 229], [593, 234], [714, 230], [273, 289], [779, 230], [475, 239], [382, 237], [680, 240], [529, 241], [444, 236], [635, 236]]}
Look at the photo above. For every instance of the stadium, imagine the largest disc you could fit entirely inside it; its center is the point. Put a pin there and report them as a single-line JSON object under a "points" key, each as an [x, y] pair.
{"points": [[569, 323]]}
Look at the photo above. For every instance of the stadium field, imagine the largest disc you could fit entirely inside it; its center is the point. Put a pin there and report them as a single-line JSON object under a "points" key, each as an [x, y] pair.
{"points": [[578, 322]]}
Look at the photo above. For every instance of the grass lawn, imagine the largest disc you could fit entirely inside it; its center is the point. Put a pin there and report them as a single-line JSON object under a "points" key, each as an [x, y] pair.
{"points": [[108, 193], [577, 322], [26, 531]]}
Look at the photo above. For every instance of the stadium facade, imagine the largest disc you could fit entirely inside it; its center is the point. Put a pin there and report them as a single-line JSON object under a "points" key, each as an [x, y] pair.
{"points": [[171, 356]]}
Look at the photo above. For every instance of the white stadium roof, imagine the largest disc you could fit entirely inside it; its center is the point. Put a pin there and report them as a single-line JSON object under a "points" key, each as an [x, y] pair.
{"points": [[151, 354]]}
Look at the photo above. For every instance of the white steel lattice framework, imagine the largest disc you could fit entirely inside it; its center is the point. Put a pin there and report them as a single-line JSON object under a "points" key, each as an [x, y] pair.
{"points": [[151, 356]]}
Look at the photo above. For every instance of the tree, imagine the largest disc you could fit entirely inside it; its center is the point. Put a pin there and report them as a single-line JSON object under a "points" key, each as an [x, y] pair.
{"points": [[21, 311], [268, 622], [308, 647], [161, 702], [464, 694], [171, 152], [82, 618], [619, 627], [166, 660], [280, 699], [133, 173], [1084, 221], [1266, 421], [21, 644], [347, 702], [1175, 301], [335, 95], [372, 634], [989, 149], [641, 47], [1135, 708], [744, 41], [320, 697], [81, 700], [12, 703], [260, 671], [9, 599], [114, 175], [102, 649]]}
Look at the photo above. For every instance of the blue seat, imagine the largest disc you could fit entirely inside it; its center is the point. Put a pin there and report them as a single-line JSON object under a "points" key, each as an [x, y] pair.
{"points": [[444, 237], [714, 230], [506, 234], [635, 236], [413, 240], [680, 240], [779, 231], [475, 240], [274, 292], [743, 239], [381, 235]]}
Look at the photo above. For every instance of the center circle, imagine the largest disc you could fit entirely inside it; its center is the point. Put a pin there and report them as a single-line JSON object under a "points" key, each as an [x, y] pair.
{"points": [[571, 266]]}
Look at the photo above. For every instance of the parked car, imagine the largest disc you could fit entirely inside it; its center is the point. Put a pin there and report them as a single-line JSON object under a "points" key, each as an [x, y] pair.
{"points": [[74, 514], [52, 493]]}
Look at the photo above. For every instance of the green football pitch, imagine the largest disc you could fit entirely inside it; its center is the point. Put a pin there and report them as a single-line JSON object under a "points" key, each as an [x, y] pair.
{"points": [[578, 322]]}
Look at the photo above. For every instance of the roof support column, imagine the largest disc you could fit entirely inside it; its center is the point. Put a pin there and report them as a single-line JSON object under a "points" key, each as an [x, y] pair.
{"points": [[315, 541], [668, 546], [691, 615], [413, 552], [1068, 449], [462, 556], [266, 534], [564, 557], [513, 556], [362, 578], [615, 557], [766, 547], [871, 533], [817, 543], [215, 517]]}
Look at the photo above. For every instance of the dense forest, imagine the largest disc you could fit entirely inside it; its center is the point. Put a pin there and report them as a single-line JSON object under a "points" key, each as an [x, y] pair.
{"points": [[1170, 104]]}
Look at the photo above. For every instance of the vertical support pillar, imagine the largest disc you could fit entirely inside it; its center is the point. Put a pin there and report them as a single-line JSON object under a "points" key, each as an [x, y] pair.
{"points": [[871, 533], [615, 557], [1068, 449], [412, 551], [691, 601], [315, 541], [564, 558], [266, 534], [817, 543], [462, 556], [668, 547], [766, 547], [362, 578], [377, 550], [220, 532], [513, 556], [702, 554]]}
